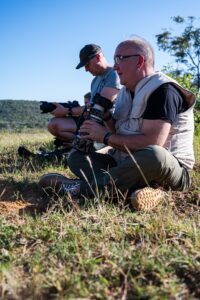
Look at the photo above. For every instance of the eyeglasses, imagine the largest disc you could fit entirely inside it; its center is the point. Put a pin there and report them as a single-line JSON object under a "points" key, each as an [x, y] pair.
{"points": [[119, 58]]}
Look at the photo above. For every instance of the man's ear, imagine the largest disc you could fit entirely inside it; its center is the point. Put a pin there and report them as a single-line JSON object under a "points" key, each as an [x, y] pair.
{"points": [[98, 57], [141, 61]]}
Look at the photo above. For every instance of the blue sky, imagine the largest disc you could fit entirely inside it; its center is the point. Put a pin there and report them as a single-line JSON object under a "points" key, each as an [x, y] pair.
{"points": [[40, 40]]}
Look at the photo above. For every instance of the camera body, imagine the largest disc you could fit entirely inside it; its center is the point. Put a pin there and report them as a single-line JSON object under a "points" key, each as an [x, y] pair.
{"points": [[96, 113], [47, 107]]}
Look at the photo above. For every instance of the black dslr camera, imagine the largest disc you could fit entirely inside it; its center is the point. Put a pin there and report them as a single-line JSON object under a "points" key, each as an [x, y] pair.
{"points": [[47, 107], [96, 113]]}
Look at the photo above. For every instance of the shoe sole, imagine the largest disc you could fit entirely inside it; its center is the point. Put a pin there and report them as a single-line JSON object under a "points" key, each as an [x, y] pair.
{"points": [[147, 198]]}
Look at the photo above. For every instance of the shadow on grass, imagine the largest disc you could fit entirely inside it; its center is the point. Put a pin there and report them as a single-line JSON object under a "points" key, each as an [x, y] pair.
{"points": [[21, 197], [12, 163], [191, 277]]}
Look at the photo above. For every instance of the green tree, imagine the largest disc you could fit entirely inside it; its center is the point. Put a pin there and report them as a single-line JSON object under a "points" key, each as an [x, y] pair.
{"points": [[185, 47], [186, 82]]}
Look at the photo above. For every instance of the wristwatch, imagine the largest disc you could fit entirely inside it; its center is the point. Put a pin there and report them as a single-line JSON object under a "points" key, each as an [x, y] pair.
{"points": [[106, 137]]}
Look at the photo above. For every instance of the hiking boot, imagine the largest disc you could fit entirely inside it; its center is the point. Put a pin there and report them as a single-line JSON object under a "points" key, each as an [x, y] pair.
{"points": [[60, 184], [24, 152], [146, 198], [57, 154], [42, 154], [58, 143]]}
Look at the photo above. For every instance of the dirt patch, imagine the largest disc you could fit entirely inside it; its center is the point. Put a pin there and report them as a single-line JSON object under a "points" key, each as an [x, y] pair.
{"points": [[10, 207], [20, 198]]}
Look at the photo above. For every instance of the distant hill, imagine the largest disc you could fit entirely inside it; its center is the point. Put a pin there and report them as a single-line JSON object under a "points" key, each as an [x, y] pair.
{"points": [[21, 114]]}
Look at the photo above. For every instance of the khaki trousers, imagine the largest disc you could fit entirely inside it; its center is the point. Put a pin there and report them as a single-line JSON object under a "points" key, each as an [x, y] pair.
{"points": [[156, 166]]}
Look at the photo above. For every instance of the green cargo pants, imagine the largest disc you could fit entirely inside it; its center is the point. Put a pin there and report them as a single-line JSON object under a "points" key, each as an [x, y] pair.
{"points": [[158, 167]]}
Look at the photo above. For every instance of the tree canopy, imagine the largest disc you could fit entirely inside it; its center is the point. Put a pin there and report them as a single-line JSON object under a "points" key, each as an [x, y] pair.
{"points": [[21, 114], [185, 47]]}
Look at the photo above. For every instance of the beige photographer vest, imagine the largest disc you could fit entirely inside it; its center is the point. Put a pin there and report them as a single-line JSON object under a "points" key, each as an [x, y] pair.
{"points": [[129, 118]]}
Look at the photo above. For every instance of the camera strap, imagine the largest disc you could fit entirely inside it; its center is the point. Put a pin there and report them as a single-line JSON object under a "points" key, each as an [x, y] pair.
{"points": [[81, 119]]}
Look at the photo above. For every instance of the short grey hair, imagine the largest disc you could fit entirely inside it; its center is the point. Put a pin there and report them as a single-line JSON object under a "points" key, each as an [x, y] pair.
{"points": [[142, 47]]}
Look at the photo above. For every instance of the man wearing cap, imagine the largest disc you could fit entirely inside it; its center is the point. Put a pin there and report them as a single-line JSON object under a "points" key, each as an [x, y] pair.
{"points": [[150, 136], [106, 82]]}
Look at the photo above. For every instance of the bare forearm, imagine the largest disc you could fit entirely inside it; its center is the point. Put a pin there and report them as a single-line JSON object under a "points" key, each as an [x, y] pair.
{"points": [[62, 111], [132, 142], [153, 132], [77, 111], [110, 125]]}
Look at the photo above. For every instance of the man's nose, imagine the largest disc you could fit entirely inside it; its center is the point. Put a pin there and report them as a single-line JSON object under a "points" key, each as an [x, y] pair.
{"points": [[115, 66]]}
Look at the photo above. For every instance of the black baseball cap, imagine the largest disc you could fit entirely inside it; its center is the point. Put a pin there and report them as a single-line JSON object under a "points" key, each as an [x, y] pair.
{"points": [[87, 52]]}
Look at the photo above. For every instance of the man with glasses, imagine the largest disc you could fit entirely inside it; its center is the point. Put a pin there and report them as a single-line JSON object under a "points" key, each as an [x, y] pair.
{"points": [[106, 82], [150, 136]]}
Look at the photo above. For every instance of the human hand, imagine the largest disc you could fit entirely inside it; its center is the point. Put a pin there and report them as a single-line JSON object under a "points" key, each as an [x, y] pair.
{"points": [[93, 131], [60, 110]]}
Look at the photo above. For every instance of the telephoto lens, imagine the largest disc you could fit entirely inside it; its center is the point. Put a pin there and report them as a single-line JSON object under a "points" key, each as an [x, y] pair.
{"points": [[47, 107], [96, 113]]}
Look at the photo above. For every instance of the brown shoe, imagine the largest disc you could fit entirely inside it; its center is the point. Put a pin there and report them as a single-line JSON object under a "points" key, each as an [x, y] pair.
{"points": [[146, 198]]}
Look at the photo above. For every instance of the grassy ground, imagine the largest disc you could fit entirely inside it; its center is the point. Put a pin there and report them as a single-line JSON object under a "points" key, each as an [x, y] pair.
{"points": [[100, 251]]}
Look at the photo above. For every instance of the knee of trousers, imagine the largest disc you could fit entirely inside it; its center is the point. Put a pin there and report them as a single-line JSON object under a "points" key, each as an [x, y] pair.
{"points": [[73, 157], [152, 160], [52, 126], [76, 159], [154, 154], [158, 153], [164, 165]]}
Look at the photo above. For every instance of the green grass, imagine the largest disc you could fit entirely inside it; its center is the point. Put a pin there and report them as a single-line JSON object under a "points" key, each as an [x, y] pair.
{"points": [[103, 250]]}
